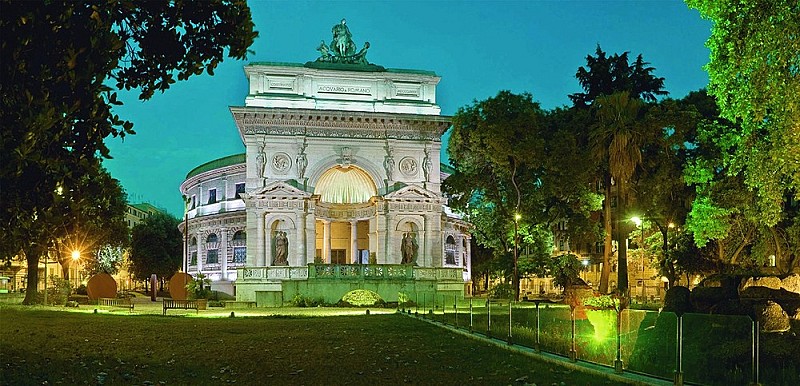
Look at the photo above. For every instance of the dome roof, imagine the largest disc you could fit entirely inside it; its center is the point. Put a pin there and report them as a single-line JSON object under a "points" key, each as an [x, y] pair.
{"points": [[340, 185]]}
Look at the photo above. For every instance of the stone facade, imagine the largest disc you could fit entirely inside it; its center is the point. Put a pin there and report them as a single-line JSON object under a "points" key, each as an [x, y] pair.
{"points": [[341, 168]]}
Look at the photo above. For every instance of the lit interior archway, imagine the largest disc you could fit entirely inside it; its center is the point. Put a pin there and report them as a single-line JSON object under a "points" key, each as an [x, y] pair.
{"points": [[340, 185]]}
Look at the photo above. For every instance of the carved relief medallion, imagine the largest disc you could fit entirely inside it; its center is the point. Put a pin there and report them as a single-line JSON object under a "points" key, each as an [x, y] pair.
{"points": [[408, 166], [281, 163]]}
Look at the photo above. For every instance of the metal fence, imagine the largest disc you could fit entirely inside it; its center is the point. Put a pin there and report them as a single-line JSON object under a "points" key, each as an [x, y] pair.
{"points": [[692, 348]]}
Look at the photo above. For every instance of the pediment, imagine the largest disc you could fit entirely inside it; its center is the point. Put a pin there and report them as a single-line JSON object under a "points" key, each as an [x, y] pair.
{"points": [[413, 192], [279, 189]]}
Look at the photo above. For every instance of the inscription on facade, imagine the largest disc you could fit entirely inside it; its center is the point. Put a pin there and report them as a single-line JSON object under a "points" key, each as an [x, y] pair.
{"points": [[344, 89]]}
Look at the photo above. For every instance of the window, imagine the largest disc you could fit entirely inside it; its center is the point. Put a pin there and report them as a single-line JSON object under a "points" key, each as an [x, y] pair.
{"points": [[240, 235], [239, 254], [212, 238], [194, 241], [450, 250], [239, 189], [194, 201], [212, 196], [213, 256], [338, 256], [194, 259]]}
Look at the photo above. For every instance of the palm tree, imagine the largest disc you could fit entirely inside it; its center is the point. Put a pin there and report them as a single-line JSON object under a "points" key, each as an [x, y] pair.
{"points": [[616, 141]]}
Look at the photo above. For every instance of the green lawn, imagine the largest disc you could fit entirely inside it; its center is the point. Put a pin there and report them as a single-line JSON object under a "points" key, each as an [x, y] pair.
{"points": [[112, 348]]}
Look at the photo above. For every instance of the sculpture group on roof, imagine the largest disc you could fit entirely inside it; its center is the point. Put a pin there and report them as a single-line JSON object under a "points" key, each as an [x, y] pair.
{"points": [[342, 48]]}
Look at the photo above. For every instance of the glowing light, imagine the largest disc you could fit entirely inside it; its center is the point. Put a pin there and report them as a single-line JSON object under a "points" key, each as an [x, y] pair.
{"points": [[671, 225], [517, 217], [340, 185], [637, 221], [585, 263], [76, 255]]}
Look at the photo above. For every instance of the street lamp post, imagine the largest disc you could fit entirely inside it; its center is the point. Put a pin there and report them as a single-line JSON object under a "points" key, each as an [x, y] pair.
{"points": [[640, 223], [76, 255], [516, 254]]}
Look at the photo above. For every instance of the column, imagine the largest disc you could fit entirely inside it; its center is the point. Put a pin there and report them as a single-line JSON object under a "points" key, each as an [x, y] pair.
{"points": [[301, 256], [390, 256], [353, 241], [311, 237], [200, 244], [433, 240], [326, 241], [258, 253], [468, 258], [223, 249]]}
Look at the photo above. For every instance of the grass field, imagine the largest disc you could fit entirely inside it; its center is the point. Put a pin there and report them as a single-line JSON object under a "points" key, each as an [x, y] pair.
{"points": [[57, 347]]}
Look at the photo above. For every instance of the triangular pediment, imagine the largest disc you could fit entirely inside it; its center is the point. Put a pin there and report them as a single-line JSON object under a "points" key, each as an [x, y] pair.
{"points": [[279, 189], [413, 192]]}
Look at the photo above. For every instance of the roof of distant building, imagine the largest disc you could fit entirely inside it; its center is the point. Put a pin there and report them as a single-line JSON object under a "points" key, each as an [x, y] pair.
{"points": [[217, 163]]}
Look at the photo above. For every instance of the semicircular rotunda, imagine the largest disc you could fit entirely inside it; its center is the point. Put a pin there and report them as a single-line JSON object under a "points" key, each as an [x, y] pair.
{"points": [[339, 188]]}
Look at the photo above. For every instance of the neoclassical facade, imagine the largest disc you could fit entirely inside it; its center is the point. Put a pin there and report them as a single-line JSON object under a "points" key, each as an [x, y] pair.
{"points": [[340, 180]]}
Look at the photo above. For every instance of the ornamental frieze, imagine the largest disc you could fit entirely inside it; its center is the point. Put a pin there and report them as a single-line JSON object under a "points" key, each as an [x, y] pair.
{"points": [[414, 207], [330, 213]]}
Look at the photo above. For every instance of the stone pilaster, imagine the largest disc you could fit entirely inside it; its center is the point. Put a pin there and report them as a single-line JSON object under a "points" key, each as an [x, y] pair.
{"points": [[223, 252], [200, 243]]}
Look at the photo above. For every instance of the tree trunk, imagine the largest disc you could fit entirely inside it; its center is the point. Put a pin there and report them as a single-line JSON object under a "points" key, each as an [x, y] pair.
{"points": [[669, 267], [622, 242], [32, 254], [606, 272]]}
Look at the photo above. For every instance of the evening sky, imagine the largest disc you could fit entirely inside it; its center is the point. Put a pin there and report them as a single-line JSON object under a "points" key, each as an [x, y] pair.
{"points": [[477, 47]]}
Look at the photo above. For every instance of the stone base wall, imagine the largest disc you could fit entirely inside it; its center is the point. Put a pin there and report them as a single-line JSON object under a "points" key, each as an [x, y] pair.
{"points": [[331, 291]]}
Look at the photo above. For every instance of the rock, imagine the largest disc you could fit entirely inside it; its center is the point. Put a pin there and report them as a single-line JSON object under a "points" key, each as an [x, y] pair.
{"points": [[703, 298], [772, 317], [791, 283], [731, 307], [770, 282], [678, 300]]}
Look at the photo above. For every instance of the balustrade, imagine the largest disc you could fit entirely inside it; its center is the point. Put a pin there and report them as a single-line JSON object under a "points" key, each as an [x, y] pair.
{"points": [[350, 271]]}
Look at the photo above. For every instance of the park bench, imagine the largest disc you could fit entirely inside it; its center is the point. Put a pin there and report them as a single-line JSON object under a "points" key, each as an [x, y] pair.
{"points": [[173, 304], [114, 302]]}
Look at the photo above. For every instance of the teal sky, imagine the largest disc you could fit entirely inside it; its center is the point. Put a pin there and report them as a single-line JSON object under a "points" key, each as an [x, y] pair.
{"points": [[477, 47]]}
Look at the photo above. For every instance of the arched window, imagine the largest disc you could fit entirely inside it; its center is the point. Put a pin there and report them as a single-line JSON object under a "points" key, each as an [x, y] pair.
{"points": [[193, 242], [212, 238], [240, 235], [450, 250]]}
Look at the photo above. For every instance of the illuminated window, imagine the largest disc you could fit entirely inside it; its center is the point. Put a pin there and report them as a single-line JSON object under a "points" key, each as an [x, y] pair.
{"points": [[338, 256], [239, 254], [213, 256]]}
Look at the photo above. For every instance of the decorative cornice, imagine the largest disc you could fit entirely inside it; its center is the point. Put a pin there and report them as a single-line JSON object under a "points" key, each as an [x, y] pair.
{"points": [[334, 123]]}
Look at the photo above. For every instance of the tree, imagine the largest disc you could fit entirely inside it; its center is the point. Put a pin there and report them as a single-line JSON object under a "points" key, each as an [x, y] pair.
{"points": [[602, 77], [60, 59], [156, 247], [606, 75], [496, 149], [754, 73]]}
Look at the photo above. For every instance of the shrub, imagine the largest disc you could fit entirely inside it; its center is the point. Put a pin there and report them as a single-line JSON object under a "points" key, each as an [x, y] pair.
{"points": [[501, 291], [361, 298], [59, 290], [303, 301], [604, 302]]}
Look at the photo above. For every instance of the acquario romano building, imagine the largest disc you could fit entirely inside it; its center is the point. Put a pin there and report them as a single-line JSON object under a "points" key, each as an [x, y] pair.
{"points": [[339, 186]]}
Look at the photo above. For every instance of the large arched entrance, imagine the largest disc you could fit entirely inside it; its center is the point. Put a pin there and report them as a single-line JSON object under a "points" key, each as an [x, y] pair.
{"points": [[345, 210]]}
